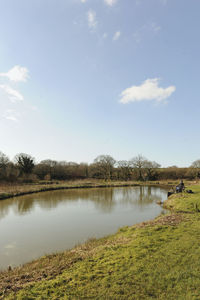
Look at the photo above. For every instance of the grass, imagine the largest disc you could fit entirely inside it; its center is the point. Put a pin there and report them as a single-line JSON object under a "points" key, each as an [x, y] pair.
{"points": [[184, 202], [14, 190], [158, 259]]}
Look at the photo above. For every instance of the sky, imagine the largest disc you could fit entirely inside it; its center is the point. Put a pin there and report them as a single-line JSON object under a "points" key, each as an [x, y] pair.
{"points": [[81, 78]]}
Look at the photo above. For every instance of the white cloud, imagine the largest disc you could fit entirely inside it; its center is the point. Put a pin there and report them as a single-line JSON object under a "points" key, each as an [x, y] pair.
{"points": [[92, 21], [110, 2], [13, 94], [116, 36], [148, 90], [9, 92], [83, 1], [16, 74], [11, 115]]}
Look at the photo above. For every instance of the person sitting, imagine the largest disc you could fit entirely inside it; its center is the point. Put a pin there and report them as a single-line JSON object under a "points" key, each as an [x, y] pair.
{"points": [[180, 187]]}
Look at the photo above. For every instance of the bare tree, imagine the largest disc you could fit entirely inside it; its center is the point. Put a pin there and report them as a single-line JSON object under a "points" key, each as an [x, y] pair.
{"points": [[150, 168], [105, 165], [138, 163], [4, 162], [49, 162], [47, 168], [196, 165], [124, 167], [25, 162]]}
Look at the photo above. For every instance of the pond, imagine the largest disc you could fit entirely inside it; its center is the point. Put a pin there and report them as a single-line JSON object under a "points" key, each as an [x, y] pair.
{"points": [[38, 224]]}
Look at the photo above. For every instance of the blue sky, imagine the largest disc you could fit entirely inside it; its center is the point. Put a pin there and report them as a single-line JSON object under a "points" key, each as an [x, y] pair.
{"points": [[83, 78]]}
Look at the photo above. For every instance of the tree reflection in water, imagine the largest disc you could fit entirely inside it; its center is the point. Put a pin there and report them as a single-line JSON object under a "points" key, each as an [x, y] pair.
{"points": [[104, 199], [35, 224]]}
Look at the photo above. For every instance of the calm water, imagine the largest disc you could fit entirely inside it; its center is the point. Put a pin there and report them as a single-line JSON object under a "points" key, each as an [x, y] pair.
{"points": [[34, 225]]}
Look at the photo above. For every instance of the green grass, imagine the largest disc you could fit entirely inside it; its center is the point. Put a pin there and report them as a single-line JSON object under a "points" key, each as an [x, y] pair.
{"points": [[153, 260], [185, 202]]}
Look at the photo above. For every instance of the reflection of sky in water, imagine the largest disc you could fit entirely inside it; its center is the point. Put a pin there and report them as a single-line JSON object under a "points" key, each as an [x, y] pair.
{"points": [[36, 224]]}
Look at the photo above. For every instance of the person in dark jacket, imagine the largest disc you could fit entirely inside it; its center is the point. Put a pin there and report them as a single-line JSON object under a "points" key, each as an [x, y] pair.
{"points": [[180, 187]]}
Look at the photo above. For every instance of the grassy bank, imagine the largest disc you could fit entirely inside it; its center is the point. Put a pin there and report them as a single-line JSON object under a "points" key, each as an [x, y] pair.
{"points": [[15, 190], [10, 191], [152, 260]]}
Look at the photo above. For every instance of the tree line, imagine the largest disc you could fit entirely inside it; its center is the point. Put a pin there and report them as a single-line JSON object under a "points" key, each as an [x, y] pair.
{"points": [[24, 168]]}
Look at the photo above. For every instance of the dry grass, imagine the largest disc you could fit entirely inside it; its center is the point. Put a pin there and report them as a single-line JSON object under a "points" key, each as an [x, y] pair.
{"points": [[14, 190], [168, 220]]}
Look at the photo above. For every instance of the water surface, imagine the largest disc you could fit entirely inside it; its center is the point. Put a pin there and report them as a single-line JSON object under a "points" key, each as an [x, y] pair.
{"points": [[37, 224]]}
